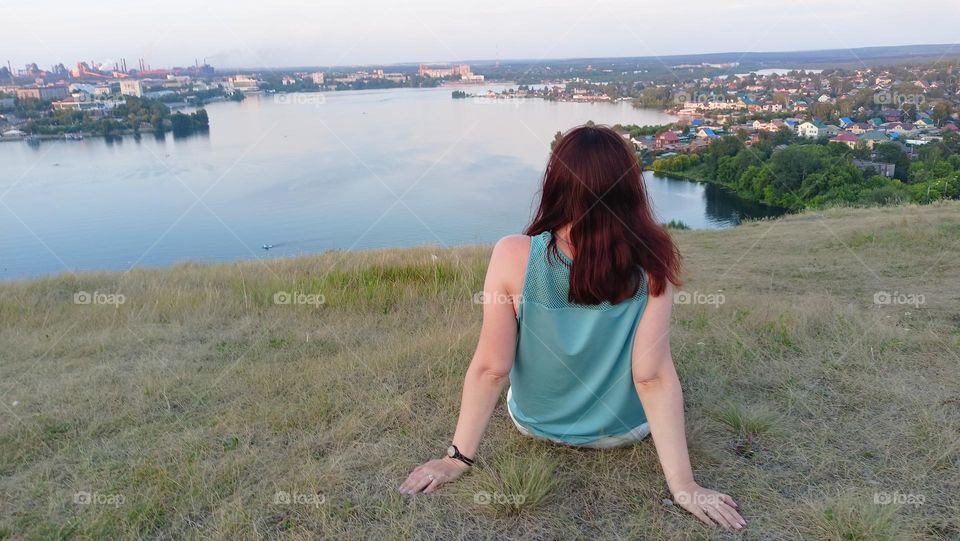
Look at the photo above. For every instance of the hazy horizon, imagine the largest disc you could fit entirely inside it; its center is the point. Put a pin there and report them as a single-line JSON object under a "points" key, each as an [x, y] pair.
{"points": [[131, 63], [377, 32]]}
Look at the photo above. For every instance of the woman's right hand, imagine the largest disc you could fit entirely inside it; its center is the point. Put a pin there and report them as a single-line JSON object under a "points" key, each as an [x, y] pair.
{"points": [[710, 506]]}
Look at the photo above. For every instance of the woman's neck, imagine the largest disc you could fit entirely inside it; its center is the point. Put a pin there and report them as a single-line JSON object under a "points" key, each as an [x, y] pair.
{"points": [[562, 235]]}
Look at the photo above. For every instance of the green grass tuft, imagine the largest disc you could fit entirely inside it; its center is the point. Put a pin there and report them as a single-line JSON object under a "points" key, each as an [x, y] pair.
{"points": [[515, 485], [846, 518], [745, 421]]}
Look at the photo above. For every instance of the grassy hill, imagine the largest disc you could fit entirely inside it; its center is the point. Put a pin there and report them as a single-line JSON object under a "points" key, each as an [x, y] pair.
{"points": [[204, 406]]}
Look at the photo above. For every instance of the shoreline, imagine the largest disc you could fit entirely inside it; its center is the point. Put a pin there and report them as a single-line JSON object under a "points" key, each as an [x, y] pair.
{"points": [[83, 136], [181, 105], [425, 249]]}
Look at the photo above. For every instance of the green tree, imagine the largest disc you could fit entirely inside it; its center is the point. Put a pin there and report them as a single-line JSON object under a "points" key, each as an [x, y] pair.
{"points": [[941, 111], [891, 152]]}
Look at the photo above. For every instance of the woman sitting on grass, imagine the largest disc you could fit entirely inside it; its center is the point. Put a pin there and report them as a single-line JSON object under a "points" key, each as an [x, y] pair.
{"points": [[576, 317]]}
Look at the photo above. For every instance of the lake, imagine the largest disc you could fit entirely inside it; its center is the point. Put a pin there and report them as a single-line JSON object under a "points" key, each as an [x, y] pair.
{"points": [[305, 173]]}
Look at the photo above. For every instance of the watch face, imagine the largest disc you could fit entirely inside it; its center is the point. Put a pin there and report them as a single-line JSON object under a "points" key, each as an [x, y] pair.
{"points": [[451, 452]]}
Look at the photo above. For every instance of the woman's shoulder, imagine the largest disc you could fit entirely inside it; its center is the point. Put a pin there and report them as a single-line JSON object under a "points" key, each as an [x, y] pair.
{"points": [[513, 245], [511, 251], [509, 258]]}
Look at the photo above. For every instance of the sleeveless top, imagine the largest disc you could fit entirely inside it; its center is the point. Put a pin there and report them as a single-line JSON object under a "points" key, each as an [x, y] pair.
{"points": [[571, 379]]}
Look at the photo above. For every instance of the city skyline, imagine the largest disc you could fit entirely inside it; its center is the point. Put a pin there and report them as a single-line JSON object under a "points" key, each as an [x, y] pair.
{"points": [[374, 32]]}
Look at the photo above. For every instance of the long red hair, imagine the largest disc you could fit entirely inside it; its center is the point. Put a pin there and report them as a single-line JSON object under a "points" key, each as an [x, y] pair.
{"points": [[594, 183]]}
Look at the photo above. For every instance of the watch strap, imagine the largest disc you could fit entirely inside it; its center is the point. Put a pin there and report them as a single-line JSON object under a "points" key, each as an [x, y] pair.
{"points": [[460, 456]]}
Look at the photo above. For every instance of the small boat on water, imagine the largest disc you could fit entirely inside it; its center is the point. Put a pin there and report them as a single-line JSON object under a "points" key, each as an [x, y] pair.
{"points": [[267, 246], [73, 136]]}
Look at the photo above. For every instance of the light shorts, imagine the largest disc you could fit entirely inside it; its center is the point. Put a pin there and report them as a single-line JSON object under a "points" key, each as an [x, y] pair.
{"points": [[609, 442]]}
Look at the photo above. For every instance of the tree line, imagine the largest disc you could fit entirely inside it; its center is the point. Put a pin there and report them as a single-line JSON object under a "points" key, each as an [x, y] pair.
{"points": [[816, 174]]}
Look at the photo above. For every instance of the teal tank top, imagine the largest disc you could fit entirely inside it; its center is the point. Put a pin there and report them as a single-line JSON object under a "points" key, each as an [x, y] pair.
{"points": [[571, 378]]}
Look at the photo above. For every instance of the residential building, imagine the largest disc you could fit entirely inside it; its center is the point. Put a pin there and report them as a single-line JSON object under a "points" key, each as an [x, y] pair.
{"points": [[43, 93], [812, 130], [243, 83], [881, 168], [873, 138], [81, 104], [131, 87], [858, 128], [706, 133], [899, 128], [847, 139], [666, 139], [461, 70]]}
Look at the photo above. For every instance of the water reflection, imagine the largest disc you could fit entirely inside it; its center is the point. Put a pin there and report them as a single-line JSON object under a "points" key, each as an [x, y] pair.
{"points": [[701, 205], [725, 207]]}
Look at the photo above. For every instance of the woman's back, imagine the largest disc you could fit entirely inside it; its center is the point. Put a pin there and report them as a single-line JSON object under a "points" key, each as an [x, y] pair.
{"points": [[571, 378]]}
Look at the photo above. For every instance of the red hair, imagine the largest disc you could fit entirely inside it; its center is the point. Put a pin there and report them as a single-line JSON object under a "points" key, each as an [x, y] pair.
{"points": [[594, 183]]}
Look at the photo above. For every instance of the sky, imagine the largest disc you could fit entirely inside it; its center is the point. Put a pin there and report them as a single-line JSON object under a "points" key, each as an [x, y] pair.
{"points": [[278, 33]]}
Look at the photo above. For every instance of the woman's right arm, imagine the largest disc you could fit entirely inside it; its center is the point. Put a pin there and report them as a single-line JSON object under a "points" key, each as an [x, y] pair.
{"points": [[490, 367], [489, 370]]}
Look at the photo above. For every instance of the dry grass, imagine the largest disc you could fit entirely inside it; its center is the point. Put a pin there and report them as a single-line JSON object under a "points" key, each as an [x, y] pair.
{"points": [[198, 408]]}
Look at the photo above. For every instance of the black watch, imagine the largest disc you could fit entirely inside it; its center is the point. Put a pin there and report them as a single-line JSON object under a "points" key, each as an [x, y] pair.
{"points": [[455, 453]]}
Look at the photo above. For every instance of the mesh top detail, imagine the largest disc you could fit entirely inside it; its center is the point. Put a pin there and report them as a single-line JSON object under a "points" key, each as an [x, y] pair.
{"points": [[547, 281]]}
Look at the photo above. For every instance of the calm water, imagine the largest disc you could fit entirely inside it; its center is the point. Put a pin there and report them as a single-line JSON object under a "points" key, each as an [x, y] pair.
{"points": [[345, 170]]}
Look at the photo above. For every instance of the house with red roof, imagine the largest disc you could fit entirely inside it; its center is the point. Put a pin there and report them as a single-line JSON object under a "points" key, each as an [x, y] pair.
{"points": [[845, 138], [666, 139]]}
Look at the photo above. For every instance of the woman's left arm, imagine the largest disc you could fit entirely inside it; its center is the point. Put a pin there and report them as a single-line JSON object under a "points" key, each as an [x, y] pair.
{"points": [[657, 383], [489, 369]]}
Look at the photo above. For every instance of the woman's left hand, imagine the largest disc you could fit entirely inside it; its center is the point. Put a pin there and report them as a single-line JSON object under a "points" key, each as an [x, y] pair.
{"points": [[710, 506], [429, 476]]}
